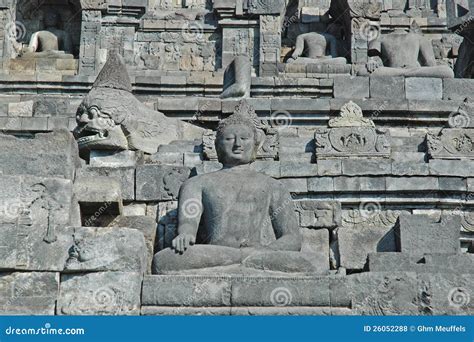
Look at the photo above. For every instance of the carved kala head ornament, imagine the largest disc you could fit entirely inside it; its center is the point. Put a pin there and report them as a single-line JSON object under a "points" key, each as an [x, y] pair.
{"points": [[110, 117]]}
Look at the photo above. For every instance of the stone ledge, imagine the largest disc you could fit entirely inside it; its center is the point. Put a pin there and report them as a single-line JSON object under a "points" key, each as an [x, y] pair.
{"points": [[245, 311], [369, 293], [25, 293], [238, 290]]}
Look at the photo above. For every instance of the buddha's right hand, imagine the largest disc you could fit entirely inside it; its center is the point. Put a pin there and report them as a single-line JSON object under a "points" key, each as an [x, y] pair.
{"points": [[182, 242], [372, 65]]}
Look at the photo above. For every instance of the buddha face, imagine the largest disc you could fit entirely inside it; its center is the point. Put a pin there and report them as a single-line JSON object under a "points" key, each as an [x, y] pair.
{"points": [[236, 145], [51, 19]]}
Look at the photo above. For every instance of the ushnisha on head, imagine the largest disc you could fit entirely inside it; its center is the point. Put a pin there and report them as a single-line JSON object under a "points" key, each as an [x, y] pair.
{"points": [[239, 136]]}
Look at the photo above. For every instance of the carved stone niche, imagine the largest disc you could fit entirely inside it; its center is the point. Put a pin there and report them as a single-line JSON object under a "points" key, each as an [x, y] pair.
{"points": [[451, 143], [457, 141], [351, 135], [268, 151], [319, 214], [30, 16]]}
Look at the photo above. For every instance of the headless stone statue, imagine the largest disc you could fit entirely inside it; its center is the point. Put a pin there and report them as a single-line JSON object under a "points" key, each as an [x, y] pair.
{"points": [[51, 42], [237, 78], [407, 54], [316, 48], [234, 217]]}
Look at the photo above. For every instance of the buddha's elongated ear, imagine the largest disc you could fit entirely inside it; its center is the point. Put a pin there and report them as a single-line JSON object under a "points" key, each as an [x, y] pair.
{"points": [[260, 138]]}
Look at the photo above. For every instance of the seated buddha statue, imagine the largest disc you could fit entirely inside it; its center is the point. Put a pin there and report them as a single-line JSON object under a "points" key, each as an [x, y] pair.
{"points": [[316, 48], [234, 218], [406, 53], [50, 42]]}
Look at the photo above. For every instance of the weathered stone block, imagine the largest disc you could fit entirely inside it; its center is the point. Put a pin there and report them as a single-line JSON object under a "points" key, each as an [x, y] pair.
{"points": [[134, 209], [366, 166], [452, 184], [100, 293], [281, 291], [410, 168], [456, 89], [329, 167], [145, 224], [124, 175], [385, 87], [115, 159], [17, 109], [159, 182], [107, 249], [391, 293], [184, 311], [296, 185], [50, 106], [418, 234], [315, 248], [33, 214], [48, 154], [28, 293], [429, 263], [228, 290], [424, 88], [355, 243], [449, 294], [319, 214], [320, 184], [412, 183], [268, 167], [25, 246], [452, 168], [167, 158], [98, 195], [186, 291], [351, 87], [298, 169]]}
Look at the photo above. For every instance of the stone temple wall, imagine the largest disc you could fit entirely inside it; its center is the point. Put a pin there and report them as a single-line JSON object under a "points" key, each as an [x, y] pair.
{"points": [[379, 163]]}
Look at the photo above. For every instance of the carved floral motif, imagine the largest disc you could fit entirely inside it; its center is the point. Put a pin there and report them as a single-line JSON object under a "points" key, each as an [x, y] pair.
{"points": [[451, 143], [358, 218], [352, 135]]}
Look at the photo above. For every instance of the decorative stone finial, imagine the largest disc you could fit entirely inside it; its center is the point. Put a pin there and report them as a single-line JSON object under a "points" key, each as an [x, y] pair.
{"points": [[351, 116], [114, 74]]}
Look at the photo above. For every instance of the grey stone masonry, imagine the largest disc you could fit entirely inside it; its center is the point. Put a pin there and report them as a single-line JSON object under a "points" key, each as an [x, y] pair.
{"points": [[335, 176], [420, 234]]}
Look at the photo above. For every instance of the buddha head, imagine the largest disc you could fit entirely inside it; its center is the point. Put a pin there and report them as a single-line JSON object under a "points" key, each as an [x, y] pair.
{"points": [[238, 137], [51, 19]]}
